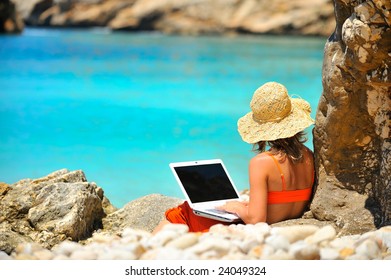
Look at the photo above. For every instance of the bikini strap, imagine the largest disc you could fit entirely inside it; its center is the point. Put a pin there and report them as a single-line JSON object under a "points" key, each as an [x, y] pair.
{"points": [[279, 169]]}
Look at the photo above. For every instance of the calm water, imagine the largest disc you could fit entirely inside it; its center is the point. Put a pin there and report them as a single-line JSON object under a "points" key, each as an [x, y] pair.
{"points": [[122, 106]]}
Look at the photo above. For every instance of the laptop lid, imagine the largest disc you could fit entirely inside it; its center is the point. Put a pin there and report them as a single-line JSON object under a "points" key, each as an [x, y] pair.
{"points": [[205, 182]]}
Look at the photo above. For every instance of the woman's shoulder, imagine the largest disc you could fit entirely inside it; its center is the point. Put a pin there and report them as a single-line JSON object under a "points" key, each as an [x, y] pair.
{"points": [[261, 156], [261, 159]]}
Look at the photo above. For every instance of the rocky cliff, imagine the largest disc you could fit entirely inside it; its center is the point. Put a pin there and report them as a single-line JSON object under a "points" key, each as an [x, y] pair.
{"points": [[352, 130], [185, 16], [10, 20]]}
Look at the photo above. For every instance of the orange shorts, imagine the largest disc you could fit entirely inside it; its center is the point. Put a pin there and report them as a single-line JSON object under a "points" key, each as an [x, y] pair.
{"points": [[183, 214]]}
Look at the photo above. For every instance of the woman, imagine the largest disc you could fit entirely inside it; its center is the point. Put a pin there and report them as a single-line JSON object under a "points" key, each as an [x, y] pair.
{"points": [[281, 178]]}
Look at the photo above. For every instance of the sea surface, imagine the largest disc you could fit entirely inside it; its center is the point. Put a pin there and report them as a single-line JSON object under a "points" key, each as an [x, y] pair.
{"points": [[122, 106]]}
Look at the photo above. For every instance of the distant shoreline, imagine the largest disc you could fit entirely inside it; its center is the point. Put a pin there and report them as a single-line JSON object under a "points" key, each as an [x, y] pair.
{"points": [[186, 17]]}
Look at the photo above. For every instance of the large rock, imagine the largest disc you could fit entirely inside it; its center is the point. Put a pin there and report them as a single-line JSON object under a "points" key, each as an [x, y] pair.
{"points": [[62, 205], [10, 20], [144, 213], [352, 130]]}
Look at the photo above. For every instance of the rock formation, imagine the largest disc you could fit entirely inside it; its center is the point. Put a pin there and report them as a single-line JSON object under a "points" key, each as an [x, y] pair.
{"points": [[144, 213], [352, 130], [10, 21], [185, 16], [64, 206]]}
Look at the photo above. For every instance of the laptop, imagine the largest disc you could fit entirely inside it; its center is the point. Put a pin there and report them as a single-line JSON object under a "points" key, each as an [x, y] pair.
{"points": [[206, 184]]}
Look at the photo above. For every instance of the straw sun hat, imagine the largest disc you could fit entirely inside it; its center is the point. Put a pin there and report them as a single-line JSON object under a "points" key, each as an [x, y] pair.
{"points": [[274, 115]]}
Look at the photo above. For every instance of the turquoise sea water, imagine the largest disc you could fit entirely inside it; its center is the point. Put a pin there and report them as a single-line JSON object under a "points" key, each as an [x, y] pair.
{"points": [[122, 106]]}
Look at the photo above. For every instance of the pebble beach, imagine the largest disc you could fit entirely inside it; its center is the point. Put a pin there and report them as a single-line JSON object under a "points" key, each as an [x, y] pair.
{"points": [[234, 242]]}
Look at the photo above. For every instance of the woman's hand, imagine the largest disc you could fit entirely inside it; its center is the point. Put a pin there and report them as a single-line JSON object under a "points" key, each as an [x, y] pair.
{"points": [[233, 206]]}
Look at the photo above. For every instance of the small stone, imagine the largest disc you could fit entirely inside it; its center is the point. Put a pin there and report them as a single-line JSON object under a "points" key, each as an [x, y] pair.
{"points": [[60, 257], [178, 228], [281, 255], [44, 255], [184, 241], [246, 245], [235, 256], [346, 252], [356, 257], [25, 257], [161, 238], [384, 234], [28, 248], [256, 252], [278, 242], [210, 255], [4, 256], [324, 234], [387, 256], [301, 250], [135, 234], [218, 228], [329, 254], [369, 249], [102, 238], [66, 248], [116, 254], [343, 242], [262, 228], [220, 246], [83, 255], [295, 233], [168, 253], [135, 248], [267, 251]]}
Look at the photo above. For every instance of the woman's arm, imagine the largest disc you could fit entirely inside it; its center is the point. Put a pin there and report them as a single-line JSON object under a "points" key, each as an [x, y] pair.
{"points": [[255, 210]]}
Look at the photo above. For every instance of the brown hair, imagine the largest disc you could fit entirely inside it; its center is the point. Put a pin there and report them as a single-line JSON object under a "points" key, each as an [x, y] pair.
{"points": [[291, 147]]}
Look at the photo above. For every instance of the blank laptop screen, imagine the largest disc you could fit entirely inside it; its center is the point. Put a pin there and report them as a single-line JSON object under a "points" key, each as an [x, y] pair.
{"points": [[206, 182]]}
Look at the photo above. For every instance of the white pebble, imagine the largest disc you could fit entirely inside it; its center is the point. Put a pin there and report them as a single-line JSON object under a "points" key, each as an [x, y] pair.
{"points": [[262, 228], [44, 254], [168, 253], [278, 242], [246, 245], [213, 244], [301, 250], [343, 242], [324, 234], [329, 254], [4, 256], [281, 255], [295, 233], [184, 241], [369, 249], [60, 257], [267, 251], [178, 228], [116, 254], [130, 234], [66, 248], [385, 235], [83, 255]]}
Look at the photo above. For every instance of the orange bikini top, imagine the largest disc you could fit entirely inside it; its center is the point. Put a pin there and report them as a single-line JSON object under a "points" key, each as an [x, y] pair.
{"points": [[286, 196]]}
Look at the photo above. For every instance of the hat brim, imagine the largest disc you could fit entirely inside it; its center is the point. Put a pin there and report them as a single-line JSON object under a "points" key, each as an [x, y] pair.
{"points": [[253, 131]]}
